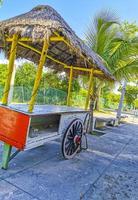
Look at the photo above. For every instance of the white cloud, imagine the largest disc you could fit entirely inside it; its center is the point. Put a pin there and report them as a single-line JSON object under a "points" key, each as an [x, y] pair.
{"points": [[17, 62], [3, 61]]}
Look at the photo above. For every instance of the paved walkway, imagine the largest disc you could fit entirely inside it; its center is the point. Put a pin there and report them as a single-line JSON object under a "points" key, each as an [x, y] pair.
{"points": [[107, 171]]}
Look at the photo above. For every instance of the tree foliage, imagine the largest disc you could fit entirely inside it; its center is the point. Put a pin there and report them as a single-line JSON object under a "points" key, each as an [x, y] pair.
{"points": [[59, 81], [99, 37], [117, 44], [136, 103], [3, 73], [25, 75], [1, 1], [123, 60], [131, 95]]}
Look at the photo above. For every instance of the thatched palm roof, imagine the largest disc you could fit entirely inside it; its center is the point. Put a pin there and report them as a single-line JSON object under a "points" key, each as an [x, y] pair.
{"points": [[44, 22]]}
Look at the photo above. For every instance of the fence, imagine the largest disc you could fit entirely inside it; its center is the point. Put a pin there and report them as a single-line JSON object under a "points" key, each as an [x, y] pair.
{"points": [[45, 96]]}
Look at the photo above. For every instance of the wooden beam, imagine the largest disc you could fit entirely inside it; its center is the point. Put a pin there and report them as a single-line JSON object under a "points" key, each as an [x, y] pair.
{"points": [[96, 72], [90, 89], [7, 148], [70, 87], [10, 96], [25, 39], [38, 75], [39, 52], [10, 69], [6, 155], [57, 38], [78, 68], [21, 39], [69, 45], [29, 47]]}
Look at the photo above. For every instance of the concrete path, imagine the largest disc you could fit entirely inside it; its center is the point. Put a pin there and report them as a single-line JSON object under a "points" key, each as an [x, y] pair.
{"points": [[107, 171]]}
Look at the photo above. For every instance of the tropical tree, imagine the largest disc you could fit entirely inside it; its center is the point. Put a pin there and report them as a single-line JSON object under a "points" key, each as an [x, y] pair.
{"points": [[3, 74], [118, 51], [127, 59], [99, 36], [136, 103], [110, 98], [131, 95], [25, 75], [58, 81], [1, 2]]}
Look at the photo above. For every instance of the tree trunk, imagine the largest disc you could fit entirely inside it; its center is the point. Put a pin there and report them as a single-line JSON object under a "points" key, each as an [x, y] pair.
{"points": [[120, 106], [98, 95], [91, 116]]}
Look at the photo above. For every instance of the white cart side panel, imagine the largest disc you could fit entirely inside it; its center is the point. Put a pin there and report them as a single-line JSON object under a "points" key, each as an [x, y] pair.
{"points": [[66, 119]]}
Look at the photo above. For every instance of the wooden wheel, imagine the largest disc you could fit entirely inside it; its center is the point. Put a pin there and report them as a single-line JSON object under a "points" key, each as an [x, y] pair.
{"points": [[86, 122], [72, 139]]}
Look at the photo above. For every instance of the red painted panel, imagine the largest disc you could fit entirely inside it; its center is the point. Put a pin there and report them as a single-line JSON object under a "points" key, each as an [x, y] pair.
{"points": [[13, 127]]}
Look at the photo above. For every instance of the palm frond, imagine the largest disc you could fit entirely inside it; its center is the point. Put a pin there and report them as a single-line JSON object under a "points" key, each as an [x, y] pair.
{"points": [[98, 30], [126, 69], [119, 53]]}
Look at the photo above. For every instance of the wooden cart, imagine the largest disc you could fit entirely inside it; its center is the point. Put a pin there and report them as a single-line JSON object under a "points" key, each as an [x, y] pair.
{"points": [[43, 37], [24, 130]]}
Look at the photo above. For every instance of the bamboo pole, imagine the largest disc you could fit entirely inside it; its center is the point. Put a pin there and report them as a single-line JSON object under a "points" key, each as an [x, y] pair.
{"points": [[10, 69], [55, 39], [90, 89], [96, 72], [38, 75], [10, 96], [70, 87], [7, 148], [39, 52]]}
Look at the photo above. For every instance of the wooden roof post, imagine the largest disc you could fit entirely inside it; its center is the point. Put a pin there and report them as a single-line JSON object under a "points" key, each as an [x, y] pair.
{"points": [[10, 97], [90, 89], [38, 75], [70, 87], [7, 148], [10, 69]]}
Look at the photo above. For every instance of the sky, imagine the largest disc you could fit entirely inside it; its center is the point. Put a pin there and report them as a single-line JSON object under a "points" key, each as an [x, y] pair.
{"points": [[77, 13]]}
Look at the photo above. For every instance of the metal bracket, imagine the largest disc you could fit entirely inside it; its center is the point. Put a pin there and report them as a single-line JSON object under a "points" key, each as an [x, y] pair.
{"points": [[14, 154]]}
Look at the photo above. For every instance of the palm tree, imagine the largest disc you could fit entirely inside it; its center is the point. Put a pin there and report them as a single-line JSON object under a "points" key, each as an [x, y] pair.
{"points": [[99, 37], [118, 47], [124, 59]]}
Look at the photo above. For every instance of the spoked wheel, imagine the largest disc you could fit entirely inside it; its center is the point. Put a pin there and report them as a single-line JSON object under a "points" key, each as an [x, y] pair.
{"points": [[84, 143], [72, 139], [86, 122]]}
